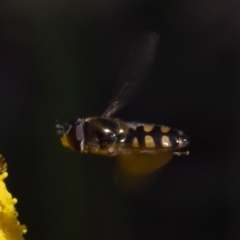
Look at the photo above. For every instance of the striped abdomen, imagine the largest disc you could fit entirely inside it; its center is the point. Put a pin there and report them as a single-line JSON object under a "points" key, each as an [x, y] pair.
{"points": [[155, 137]]}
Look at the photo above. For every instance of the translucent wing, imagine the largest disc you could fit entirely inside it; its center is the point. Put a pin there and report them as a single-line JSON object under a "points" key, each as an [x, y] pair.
{"points": [[136, 171], [138, 65]]}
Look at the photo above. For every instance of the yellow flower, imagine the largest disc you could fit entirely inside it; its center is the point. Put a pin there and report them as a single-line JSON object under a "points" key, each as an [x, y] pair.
{"points": [[10, 228]]}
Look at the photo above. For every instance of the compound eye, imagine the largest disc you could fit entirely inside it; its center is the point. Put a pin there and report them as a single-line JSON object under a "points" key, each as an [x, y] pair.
{"points": [[79, 130]]}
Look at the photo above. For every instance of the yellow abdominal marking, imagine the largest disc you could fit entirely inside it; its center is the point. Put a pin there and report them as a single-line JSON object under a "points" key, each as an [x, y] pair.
{"points": [[165, 129], [166, 141], [135, 143], [148, 128], [149, 142]]}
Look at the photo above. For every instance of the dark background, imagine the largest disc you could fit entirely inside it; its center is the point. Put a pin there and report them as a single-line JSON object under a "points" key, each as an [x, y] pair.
{"points": [[62, 59]]}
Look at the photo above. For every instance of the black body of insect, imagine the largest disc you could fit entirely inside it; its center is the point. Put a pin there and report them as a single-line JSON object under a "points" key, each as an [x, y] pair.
{"points": [[111, 136]]}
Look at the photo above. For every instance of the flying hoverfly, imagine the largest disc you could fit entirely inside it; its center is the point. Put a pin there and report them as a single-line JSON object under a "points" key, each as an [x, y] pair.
{"points": [[111, 136]]}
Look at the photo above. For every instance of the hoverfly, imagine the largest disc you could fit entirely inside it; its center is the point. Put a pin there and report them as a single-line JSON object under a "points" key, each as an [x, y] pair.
{"points": [[111, 136]]}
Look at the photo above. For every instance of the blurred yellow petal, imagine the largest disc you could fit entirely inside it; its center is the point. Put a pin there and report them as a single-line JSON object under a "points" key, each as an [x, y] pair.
{"points": [[10, 228]]}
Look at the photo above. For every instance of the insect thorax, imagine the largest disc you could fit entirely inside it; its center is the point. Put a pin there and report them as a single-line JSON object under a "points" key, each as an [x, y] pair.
{"points": [[102, 135]]}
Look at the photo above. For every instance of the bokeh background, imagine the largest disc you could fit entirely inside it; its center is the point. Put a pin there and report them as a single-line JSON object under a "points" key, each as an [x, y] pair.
{"points": [[60, 59]]}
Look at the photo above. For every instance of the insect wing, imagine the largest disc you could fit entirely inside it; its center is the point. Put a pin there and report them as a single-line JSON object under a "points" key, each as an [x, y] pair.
{"points": [[135, 171], [138, 65]]}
